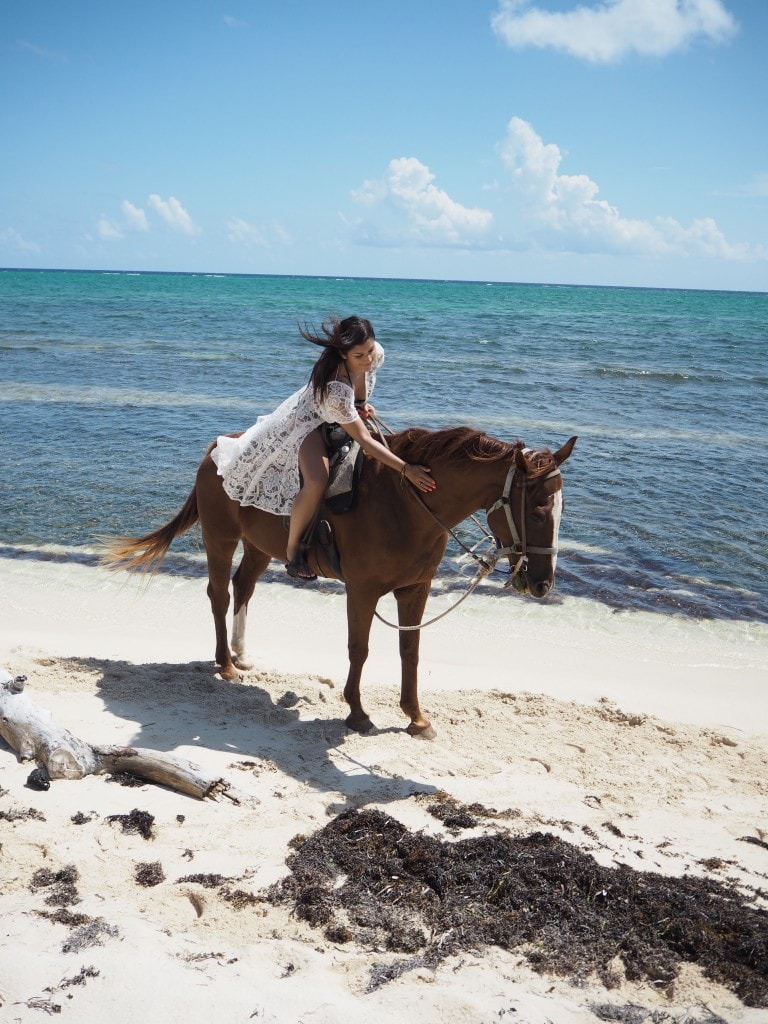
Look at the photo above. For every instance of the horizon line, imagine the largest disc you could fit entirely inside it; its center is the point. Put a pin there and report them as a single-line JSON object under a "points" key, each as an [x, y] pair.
{"points": [[368, 277]]}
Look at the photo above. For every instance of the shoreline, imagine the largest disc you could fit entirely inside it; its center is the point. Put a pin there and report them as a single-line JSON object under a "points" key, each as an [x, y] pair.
{"points": [[705, 672], [641, 740]]}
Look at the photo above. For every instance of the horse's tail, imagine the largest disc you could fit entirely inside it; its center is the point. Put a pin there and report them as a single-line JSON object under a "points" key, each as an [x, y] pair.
{"points": [[146, 553]]}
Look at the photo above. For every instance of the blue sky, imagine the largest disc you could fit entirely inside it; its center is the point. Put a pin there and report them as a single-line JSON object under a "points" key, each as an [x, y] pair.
{"points": [[613, 142]]}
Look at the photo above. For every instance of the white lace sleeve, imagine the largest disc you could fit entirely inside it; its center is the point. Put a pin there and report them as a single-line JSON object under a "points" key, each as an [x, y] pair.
{"points": [[370, 377], [338, 406]]}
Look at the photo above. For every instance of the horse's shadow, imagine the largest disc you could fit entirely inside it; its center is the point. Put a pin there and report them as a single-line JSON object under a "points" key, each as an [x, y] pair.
{"points": [[260, 719]]}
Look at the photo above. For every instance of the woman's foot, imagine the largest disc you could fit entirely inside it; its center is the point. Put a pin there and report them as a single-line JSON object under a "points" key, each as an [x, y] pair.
{"points": [[298, 569]]}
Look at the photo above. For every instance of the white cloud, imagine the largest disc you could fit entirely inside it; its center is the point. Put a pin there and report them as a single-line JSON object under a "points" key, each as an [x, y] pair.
{"points": [[135, 217], [107, 230], [615, 28], [537, 208], [563, 212], [232, 22], [13, 241], [239, 230], [704, 238], [174, 214], [431, 216]]}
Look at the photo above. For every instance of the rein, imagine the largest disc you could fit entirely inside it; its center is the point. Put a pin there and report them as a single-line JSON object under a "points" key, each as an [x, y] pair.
{"points": [[486, 565]]}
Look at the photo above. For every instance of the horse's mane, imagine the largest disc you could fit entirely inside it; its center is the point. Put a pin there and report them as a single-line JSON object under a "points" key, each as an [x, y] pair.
{"points": [[425, 446]]}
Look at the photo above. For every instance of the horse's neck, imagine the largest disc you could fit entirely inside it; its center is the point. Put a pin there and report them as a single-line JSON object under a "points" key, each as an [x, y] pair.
{"points": [[466, 486]]}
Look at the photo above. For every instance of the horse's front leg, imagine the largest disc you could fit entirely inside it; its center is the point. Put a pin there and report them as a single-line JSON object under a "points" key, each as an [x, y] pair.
{"points": [[411, 602], [360, 609]]}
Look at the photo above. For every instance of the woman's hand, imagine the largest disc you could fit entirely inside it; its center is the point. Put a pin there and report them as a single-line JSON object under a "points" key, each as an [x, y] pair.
{"points": [[366, 411], [420, 477]]}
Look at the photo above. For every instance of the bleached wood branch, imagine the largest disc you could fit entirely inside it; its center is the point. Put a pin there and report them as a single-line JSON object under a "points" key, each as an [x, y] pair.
{"points": [[34, 736]]}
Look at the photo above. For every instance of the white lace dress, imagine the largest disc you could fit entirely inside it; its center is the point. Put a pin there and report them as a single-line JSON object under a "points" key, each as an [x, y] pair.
{"points": [[261, 467]]}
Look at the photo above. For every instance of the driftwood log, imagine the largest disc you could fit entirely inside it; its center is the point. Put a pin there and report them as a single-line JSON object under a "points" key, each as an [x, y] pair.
{"points": [[34, 736]]}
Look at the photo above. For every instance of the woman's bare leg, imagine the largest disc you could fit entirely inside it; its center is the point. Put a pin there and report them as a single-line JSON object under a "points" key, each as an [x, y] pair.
{"points": [[313, 463]]}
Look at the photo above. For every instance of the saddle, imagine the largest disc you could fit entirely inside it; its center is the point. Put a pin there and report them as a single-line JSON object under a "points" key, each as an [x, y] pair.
{"points": [[345, 463]]}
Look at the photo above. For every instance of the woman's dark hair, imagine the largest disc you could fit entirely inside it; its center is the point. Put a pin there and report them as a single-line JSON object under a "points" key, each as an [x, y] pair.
{"points": [[337, 336]]}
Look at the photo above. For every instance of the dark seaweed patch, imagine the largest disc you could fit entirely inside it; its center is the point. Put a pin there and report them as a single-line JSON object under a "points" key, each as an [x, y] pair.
{"points": [[754, 840], [149, 875], [28, 814], [634, 1014], [61, 885], [455, 815], [239, 899], [208, 881], [137, 822], [65, 917], [81, 819], [364, 873], [124, 779]]}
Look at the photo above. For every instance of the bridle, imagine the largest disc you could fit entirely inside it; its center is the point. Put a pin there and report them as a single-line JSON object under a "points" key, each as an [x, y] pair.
{"points": [[519, 548]]}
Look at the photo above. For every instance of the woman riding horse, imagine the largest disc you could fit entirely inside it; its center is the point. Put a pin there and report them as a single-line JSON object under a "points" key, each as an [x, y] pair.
{"points": [[280, 464]]}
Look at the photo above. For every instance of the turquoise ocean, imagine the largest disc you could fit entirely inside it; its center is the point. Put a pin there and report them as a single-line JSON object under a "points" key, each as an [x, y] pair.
{"points": [[112, 385]]}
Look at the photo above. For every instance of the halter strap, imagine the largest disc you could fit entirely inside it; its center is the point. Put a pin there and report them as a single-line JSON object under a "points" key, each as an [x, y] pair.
{"points": [[519, 548]]}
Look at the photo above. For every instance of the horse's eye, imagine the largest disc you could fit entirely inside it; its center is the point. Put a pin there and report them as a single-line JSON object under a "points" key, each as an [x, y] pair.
{"points": [[540, 514]]}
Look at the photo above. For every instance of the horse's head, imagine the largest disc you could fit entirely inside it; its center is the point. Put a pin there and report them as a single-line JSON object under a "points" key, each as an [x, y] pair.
{"points": [[527, 518]]}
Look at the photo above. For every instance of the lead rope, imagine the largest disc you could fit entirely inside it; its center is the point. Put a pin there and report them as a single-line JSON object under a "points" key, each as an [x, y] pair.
{"points": [[485, 565]]}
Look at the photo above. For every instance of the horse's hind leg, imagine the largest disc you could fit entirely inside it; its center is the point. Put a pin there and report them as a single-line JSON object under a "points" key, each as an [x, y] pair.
{"points": [[253, 564], [220, 555]]}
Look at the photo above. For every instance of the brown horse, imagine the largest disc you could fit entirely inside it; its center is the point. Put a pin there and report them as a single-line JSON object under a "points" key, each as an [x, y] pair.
{"points": [[392, 541]]}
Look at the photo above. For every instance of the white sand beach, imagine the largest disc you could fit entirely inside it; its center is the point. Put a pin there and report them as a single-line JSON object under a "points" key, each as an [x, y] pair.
{"points": [[640, 739]]}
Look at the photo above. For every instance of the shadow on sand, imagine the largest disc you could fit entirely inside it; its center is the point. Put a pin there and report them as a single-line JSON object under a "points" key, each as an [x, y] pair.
{"points": [[262, 718]]}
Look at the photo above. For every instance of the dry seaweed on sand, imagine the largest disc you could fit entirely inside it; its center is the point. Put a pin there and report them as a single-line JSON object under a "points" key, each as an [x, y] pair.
{"points": [[149, 874], [135, 823], [124, 779], [631, 1013], [366, 876], [89, 935], [27, 814], [237, 898], [60, 885], [208, 881]]}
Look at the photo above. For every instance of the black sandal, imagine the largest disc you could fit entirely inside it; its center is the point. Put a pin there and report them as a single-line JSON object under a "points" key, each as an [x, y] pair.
{"points": [[298, 569]]}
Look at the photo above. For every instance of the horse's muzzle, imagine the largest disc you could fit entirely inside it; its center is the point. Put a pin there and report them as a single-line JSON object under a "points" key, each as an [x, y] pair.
{"points": [[537, 589]]}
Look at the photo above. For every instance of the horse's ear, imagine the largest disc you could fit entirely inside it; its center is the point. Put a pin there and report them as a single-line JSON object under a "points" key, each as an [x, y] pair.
{"points": [[521, 462], [564, 452]]}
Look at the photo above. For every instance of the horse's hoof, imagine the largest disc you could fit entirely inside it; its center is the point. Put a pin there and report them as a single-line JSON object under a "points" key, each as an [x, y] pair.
{"points": [[422, 732], [359, 723], [243, 665], [230, 674]]}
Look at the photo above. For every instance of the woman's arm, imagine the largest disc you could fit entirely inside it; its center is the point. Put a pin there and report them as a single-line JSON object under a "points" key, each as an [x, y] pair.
{"points": [[417, 475]]}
